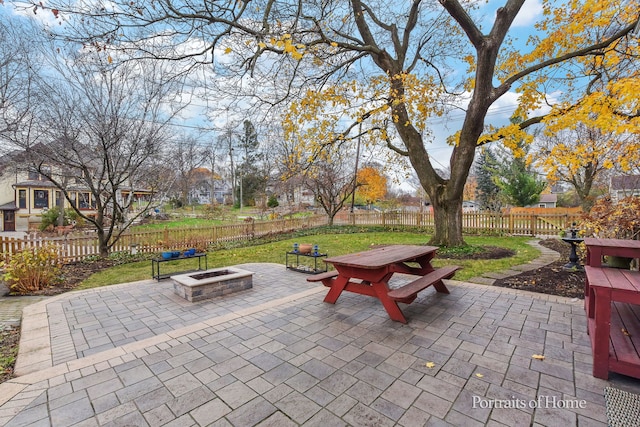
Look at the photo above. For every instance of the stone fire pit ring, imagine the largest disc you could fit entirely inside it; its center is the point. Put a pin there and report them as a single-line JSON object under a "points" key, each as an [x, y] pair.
{"points": [[200, 285]]}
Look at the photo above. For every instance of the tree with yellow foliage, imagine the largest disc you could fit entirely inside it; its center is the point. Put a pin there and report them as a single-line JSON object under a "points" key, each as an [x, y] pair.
{"points": [[393, 68], [371, 185], [578, 156]]}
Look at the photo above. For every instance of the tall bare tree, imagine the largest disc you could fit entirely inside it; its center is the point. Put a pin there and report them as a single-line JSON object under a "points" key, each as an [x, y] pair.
{"points": [[187, 155], [332, 182], [101, 130], [18, 69]]}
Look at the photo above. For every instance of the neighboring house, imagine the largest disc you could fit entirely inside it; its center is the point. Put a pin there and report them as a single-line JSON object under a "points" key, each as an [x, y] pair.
{"points": [[622, 186], [298, 197], [469, 206], [548, 200], [291, 193], [25, 195], [201, 192]]}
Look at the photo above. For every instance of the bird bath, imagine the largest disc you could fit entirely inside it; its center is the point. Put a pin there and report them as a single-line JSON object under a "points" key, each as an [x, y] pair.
{"points": [[212, 283], [574, 241]]}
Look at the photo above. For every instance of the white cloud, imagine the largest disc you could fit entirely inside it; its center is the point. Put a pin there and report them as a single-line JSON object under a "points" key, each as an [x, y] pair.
{"points": [[504, 107], [529, 13]]}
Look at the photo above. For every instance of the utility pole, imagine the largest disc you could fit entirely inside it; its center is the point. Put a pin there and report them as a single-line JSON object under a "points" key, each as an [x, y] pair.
{"points": [[212, 196], [233, 171], [355, 175]]}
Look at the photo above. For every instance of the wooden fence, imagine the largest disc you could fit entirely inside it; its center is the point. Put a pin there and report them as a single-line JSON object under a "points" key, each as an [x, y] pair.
{"points": [[77, 247], [73, 247], [522, 224]]}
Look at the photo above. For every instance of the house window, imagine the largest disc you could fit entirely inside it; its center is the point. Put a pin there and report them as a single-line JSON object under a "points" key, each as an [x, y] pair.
{"points": [[83, 201], [22, 199], [83, 176], [40, 199], [34, 174]]}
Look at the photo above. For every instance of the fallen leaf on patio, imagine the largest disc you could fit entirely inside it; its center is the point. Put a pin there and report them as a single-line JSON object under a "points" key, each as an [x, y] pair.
{"points": [[479, 375], [429, 364], [624, 331], [538, 357]]}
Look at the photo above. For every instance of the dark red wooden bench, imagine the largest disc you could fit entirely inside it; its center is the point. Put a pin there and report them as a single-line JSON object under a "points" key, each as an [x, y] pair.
{"points": [[612, 298], [409, 292]]}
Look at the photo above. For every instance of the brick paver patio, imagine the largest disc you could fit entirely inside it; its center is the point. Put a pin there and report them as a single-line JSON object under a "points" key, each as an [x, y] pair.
{"points": [[136, 355]]}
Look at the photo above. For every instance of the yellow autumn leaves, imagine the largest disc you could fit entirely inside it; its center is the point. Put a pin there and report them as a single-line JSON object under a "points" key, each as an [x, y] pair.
{"points": [[284, 45]]}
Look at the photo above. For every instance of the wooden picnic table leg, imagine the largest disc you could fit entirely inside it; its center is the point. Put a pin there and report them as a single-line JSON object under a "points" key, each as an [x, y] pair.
{"points": [[424, 268], [393, 309], [337, 286], [601, 333], [441, 287]]}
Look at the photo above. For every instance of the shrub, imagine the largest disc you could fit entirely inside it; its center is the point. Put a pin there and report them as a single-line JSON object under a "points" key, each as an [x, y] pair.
{"points": [[273, 201], [50, 218], [32, 269], [213, 211], [613, 220]]}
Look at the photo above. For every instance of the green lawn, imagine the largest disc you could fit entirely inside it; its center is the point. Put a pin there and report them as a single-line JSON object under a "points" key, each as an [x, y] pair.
{"points": [[177, 223], [232, 216], [333, 244]]}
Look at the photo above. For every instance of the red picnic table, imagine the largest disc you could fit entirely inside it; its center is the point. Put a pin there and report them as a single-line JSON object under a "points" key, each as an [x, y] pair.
{"points": [[373, 269]]}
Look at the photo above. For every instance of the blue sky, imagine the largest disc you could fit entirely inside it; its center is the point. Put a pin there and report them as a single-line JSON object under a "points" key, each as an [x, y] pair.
{"points": [[442, 127]]}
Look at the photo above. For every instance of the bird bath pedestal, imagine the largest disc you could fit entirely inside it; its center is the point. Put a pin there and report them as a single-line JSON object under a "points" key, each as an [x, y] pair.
{"points": [[574, 241]]}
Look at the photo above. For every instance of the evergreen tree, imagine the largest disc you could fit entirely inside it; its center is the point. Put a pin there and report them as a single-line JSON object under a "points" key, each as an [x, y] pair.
{"points": [[252, 179], [516, 179], [273, 202], [487, 191], [521, 187]]}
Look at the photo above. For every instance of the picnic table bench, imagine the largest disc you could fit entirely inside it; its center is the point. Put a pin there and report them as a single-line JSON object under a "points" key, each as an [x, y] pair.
{"points": [[612, 304], [369, 272], [409, 292]]}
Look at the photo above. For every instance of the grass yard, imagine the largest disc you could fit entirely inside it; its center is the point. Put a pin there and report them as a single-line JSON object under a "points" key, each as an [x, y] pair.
{"points": [[333, 244], [177, 223]]}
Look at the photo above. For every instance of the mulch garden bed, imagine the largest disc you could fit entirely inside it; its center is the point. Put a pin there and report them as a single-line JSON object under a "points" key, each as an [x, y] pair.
{"points": [[550, 279]]}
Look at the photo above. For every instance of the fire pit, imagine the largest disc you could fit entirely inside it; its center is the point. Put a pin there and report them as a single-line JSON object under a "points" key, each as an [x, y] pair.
{"points": [[212, 283]]}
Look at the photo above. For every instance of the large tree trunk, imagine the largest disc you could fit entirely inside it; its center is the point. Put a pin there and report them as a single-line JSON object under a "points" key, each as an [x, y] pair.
{"points": [[102, 243], [448, 222]]}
